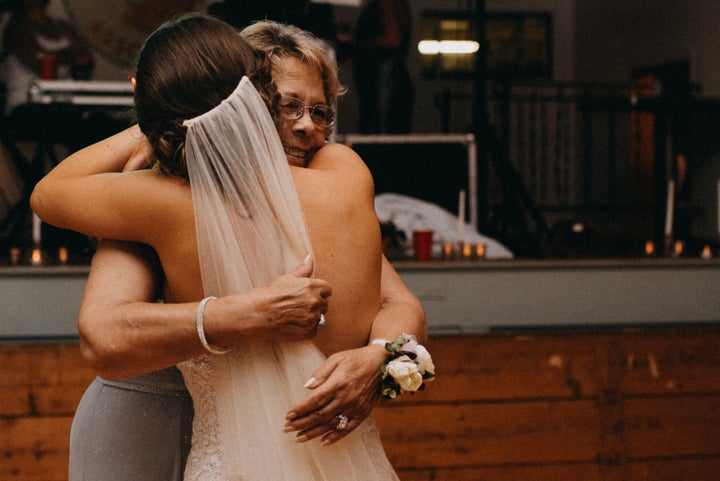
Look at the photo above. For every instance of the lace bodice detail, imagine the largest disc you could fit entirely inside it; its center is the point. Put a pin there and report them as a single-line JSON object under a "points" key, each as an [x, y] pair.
{"points": [[240, 401], [204, 461]]}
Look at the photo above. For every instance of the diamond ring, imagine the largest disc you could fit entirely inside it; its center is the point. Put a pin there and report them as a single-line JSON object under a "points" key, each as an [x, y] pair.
{"points": [[341, 422]]}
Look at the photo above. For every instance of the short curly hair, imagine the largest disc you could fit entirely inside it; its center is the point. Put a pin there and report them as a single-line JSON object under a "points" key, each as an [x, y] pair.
{"points": [[278, 41]]}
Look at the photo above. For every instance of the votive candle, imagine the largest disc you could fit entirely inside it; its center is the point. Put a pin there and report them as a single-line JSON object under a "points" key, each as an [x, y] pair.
{"points": [[670, 207], [36, 226], [467, 251], [649, 248], [15, 253], [36, 257], [461, 217], [678, 247], [447, 250]]}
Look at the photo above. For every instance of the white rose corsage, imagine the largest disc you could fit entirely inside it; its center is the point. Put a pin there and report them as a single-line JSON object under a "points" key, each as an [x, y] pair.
{"points": [[408, 367]]}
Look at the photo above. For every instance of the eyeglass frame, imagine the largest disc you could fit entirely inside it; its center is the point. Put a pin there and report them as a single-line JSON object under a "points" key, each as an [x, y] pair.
{"points": [[301, 108]]}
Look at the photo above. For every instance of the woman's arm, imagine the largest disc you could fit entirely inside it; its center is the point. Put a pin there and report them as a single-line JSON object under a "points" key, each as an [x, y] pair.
{"points": [[349, 381], [124, 332], [401, 311], [88, 193]]}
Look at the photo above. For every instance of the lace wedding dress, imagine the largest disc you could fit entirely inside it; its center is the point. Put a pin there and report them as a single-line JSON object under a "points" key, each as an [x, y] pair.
{"points": [[250, 230]]}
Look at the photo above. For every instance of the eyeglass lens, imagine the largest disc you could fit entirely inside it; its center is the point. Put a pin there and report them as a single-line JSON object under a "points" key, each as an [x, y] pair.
{"points": [[321, 115]]}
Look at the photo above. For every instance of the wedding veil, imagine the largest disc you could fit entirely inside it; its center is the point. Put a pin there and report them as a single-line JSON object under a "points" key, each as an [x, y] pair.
{"points": [[243, 195], [250, 229]]}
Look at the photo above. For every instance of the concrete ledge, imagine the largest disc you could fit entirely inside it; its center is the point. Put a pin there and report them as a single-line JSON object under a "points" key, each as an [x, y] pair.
{"points": [[459, 296]]}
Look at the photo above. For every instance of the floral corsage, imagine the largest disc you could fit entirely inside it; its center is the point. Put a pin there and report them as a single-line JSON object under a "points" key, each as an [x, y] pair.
{"points": [[408, 367]]}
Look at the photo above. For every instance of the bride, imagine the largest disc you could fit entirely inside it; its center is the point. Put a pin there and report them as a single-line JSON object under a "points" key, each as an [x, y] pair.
{"points": [[225, 212]]}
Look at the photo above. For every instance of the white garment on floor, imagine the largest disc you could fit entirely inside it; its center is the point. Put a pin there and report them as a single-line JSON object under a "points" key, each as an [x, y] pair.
{"points": [[409, 214]]}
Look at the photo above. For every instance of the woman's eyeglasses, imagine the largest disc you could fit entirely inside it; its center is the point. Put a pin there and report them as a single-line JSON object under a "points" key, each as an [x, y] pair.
{"points": [[322, 115]]}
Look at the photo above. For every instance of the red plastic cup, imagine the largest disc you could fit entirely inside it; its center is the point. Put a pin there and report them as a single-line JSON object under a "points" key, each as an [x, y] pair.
{"points": [[48, 69], [422, 244]]}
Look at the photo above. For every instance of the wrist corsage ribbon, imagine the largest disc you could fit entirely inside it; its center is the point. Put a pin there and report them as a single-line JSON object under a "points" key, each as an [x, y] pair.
{"points": [[408, 367]]}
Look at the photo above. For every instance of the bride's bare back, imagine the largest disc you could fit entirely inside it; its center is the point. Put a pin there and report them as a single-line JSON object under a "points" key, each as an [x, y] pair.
{"points": [[336, 195]]}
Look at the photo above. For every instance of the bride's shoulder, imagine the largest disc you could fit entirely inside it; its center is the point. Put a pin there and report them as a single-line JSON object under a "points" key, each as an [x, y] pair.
{"points": [[334, 156], [340, 161], [341, 172]]}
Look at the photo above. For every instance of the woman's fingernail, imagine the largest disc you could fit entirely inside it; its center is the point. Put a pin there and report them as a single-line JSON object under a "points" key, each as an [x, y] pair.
{"points": [[290, 416], [310, 382], [301, 439]]}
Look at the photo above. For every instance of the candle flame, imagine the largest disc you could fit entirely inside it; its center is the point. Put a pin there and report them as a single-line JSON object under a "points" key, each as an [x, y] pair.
{"points": [[36, 257], [649, 248]]}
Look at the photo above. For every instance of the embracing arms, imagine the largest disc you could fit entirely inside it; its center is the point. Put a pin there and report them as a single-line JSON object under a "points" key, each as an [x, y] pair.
{"points": [[93, 193], [124, 331]]}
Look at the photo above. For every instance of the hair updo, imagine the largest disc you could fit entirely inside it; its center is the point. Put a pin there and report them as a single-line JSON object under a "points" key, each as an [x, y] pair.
{"points": [[185, 68]]}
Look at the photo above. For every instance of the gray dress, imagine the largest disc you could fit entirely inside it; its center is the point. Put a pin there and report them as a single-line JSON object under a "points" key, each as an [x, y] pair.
{"points": [[136, 429]]}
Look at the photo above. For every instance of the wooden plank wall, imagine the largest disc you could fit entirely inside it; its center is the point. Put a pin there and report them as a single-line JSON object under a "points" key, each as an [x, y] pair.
{"points": [[627, 405]]}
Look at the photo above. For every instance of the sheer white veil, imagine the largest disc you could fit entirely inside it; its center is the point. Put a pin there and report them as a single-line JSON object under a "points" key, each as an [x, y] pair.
{"points": [[250, 229], [243, 195]]}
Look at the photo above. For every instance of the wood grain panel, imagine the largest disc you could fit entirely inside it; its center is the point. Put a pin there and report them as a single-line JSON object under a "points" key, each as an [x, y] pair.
{"points": [[625, 405], [680, 361], [35, 448], [487, 434], [672, 427], [485, 367]]}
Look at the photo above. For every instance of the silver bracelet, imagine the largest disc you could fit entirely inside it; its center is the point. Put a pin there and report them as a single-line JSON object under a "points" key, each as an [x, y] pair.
{"points": [[379, 342], [199, 314]]}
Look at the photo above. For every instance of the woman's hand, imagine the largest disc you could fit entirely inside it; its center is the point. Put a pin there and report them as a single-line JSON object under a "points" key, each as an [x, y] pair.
{"points": [[286, 310], [346, 384]]}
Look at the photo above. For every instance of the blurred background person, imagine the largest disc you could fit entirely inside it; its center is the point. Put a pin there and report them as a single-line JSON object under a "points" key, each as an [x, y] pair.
{"points": [[39, 46]]}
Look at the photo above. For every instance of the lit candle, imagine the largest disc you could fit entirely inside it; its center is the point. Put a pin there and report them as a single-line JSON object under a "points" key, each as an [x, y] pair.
{"points": [[670, 204], [63, 255], [678, 248], [36, 226], [480, 251], [36, 257], [461, 218], [447, 250], [649, 248], [467, 251], [706, 252], [15, 253]]}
